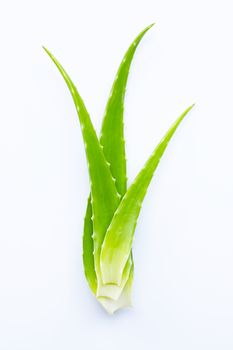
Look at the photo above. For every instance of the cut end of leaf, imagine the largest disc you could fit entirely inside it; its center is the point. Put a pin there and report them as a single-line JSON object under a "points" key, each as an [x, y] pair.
{"points": [[111, 291], [124, 300], [111, 306]]}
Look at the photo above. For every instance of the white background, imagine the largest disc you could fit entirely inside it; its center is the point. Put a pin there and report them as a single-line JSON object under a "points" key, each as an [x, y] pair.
{"points": [[183, 249]]}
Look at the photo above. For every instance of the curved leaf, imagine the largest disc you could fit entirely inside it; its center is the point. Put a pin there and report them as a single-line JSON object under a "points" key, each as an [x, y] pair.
{"points": [[104, 196], [119, 237], [112, 141]]}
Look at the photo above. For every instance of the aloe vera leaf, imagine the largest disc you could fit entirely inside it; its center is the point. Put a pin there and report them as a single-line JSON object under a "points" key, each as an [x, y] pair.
{"points": [[119, 236], [112, 132], [112, 141], [104, 196]]}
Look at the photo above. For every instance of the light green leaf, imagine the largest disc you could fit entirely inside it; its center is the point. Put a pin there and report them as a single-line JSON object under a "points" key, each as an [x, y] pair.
{"points": [[112, 132], [104, 196], [119, 237], [112, 141]]}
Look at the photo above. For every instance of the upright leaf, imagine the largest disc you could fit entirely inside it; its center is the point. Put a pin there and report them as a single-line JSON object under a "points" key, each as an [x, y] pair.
{"points": [[112, 132], [104, 196], [119, 237], [112, 141]]}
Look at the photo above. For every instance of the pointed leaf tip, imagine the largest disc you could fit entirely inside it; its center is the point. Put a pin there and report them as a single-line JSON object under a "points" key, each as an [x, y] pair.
{"points": [[151, 25], [148, 27], [45, 49]]}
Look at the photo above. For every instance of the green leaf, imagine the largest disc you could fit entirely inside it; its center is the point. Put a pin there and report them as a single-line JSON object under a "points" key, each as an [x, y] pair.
{"points": [[112, 210], [112, 141], [119, 237], [104, 196], [112, 133]]}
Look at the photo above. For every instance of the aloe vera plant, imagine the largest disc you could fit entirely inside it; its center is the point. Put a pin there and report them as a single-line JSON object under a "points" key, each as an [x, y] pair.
{"points": [[112, 209]]}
